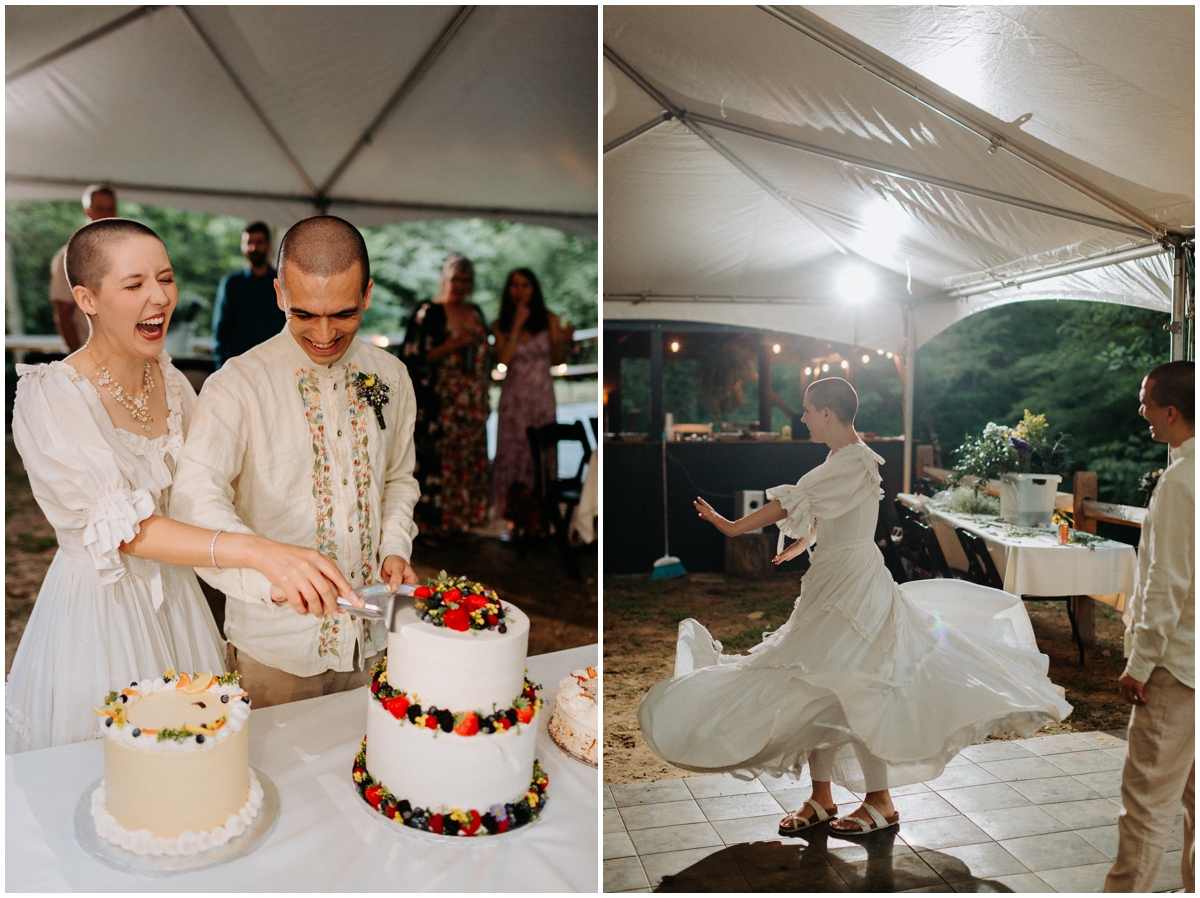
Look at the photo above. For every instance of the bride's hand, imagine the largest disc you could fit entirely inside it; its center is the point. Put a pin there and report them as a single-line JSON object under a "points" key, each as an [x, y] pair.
{"points": [[304, 578], [707, 513], [791, 551]]}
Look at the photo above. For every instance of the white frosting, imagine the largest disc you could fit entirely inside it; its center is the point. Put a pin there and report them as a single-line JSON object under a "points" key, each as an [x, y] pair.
{"points": [[473, 670], [143, 842], [442, 771], [236, 710], [576, 719]]}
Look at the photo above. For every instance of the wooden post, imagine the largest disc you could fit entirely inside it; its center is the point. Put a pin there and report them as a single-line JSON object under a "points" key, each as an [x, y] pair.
{"points": [[1085, 489], [1085, 606], [924, 457], [748, 556]]}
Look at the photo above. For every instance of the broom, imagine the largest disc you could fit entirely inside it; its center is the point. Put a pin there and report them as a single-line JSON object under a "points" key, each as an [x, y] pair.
{"points": [[668, 566]]}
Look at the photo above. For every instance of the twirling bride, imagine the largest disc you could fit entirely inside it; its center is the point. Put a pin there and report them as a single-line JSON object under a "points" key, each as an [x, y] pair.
{"points": [[872, 685]]}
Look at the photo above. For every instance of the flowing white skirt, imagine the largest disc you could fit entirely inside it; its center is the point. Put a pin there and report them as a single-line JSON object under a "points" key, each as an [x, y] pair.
{"points": [[911, 674], [85, 638]]}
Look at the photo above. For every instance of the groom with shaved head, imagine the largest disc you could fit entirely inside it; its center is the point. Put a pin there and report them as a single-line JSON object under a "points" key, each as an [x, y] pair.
{"points": [[307, 439]]}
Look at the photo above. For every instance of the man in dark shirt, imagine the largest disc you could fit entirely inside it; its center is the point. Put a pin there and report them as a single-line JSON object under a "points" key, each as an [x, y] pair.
{"points": [[247, 311]]}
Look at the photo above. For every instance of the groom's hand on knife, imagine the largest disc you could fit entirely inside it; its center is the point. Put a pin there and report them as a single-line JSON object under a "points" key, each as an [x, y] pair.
{"points": [[396, 571]]}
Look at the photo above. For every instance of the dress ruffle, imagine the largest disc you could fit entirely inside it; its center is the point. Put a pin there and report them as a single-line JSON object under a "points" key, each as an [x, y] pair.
{"points": [[115, 519]]}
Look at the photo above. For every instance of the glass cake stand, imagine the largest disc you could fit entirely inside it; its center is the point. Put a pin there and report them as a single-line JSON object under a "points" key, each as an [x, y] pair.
{"points": [[127, 862]]}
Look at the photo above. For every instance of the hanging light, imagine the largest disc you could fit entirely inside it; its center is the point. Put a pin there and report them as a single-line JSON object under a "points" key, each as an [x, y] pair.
{"points": [[502, 367], [674, 346], [879, 351], [856, 283], [890, 356], [775, 349], [845, 364], [866, 358], [825, 367], [807, 372]]}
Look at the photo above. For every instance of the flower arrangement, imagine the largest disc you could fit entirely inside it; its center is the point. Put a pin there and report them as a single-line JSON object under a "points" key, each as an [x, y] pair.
{"points": [[403, 707], [999, 450], [459, 604], [498, 818]]}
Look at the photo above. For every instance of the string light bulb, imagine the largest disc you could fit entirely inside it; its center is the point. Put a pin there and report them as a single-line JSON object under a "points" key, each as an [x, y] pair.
{"points": [[807, 372], [866, 358], [845, 364], [674, 346], [775, 349]]}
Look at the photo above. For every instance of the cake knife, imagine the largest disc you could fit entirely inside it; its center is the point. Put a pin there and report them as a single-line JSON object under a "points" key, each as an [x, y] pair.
{"points": [[382, 602]]}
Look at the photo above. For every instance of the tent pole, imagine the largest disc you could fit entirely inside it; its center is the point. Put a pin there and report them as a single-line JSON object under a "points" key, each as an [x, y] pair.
{"points": [[656, 418], [903, 173], [910, 365], [1178, 325], [1041, 274], [91, 36]]}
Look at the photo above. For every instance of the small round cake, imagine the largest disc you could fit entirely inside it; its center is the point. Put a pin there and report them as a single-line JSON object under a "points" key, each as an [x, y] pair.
{"points": [[177, 777], [574, 725], [451, 717]]}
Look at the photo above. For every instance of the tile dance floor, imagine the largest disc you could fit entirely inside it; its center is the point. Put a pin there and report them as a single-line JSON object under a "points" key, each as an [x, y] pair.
{"points": [[1034, 815]]}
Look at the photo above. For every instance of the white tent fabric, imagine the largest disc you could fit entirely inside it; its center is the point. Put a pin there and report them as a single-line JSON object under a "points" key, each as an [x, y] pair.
{"points": [[375, 113], [792, 161]]}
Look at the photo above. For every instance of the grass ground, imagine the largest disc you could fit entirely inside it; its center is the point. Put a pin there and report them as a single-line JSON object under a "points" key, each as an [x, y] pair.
{"points": [[641, 616]]}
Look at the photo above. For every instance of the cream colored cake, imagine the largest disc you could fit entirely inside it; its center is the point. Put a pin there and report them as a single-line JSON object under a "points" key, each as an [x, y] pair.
{"points": [[177, 777], [451, 718], [574, 725]]}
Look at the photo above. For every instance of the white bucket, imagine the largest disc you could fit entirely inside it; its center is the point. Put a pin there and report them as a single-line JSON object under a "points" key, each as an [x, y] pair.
{"points": [[1028, 499]]}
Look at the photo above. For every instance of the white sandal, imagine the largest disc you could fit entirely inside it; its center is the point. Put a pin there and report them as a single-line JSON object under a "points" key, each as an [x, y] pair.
{"points": [[794, 823], [875, 824]]}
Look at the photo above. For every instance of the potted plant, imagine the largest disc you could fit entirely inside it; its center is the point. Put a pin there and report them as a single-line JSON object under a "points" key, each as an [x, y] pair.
{"points": [[1025, 461]]}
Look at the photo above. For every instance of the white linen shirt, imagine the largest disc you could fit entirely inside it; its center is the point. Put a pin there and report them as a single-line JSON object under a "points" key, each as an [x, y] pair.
{"points": [[280, 446], [1161, 619]]}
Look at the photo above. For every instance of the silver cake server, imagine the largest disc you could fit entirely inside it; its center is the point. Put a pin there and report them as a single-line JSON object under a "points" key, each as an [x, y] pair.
{"points": [[382, 602]]}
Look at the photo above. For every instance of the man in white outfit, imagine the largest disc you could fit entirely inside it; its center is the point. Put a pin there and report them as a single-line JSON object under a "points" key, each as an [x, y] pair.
{"points": [[1160, 643], [308, 439]]}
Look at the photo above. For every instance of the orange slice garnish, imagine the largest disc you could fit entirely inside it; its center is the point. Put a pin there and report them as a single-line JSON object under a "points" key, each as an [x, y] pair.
{"points": [[200, 684], [184, 679]]}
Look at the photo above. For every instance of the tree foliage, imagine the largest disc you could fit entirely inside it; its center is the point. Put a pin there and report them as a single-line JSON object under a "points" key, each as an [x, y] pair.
{"points": [[405, 260], [1078, 363]]}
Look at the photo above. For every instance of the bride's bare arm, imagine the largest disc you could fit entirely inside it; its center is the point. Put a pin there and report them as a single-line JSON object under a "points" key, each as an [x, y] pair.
{"points": [[304, 578], [768, 514]]}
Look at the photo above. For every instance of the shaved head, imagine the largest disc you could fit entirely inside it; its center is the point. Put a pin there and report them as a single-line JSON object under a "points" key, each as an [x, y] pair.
{"points": [[87, 258], [836, 395], [324, 245]]}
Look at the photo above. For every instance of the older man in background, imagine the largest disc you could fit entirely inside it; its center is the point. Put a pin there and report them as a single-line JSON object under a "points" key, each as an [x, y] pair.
{"points": [[247, 312], [99, 201], [1160, 643]]}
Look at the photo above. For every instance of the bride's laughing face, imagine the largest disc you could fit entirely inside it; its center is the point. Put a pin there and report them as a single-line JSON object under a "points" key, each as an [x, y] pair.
{"points": [[817, 422], [133, 302]]}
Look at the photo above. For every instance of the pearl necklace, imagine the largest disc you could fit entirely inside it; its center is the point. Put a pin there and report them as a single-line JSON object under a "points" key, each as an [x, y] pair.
{"points": [[138, 406]]}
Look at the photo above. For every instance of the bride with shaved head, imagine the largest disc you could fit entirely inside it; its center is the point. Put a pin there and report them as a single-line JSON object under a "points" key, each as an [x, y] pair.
{"points": [[100, 434]]}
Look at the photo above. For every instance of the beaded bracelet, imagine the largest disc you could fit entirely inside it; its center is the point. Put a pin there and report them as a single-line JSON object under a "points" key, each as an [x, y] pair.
{"points": [[212, 549]]}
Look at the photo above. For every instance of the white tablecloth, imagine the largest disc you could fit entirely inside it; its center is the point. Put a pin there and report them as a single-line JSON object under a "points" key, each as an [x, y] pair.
{"points": [[1038, 565], [323, 841]]}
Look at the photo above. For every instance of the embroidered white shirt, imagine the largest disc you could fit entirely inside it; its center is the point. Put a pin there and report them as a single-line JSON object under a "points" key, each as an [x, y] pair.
{"points": [[283, 447], [1161, 619]]}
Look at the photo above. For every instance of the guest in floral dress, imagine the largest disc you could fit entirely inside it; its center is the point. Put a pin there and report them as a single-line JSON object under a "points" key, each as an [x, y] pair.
{"points": [[445, 348], [528, 341]]}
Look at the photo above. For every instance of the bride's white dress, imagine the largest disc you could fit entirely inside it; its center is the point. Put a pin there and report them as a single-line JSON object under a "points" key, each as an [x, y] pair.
{"points": [[102, 618], [909, 674]]}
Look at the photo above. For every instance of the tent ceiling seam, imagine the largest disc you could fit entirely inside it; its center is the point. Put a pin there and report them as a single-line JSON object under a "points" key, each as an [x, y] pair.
{"points": [[253, 104], [399, 95], [963, 118], [637, 132], [788, 202], [79, 42], [499, 211], [919, 177]]}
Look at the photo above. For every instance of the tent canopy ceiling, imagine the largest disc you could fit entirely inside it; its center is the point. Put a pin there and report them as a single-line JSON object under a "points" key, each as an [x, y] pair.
{"points": [[375, 113], [929, 148]]}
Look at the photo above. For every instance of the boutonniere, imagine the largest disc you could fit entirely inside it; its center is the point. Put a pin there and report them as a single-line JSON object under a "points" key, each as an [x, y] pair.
{"points": [[371, 389]]}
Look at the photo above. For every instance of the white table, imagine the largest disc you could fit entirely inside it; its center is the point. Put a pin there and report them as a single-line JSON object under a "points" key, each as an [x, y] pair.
{"points": [[1037, 565], [324, 841]]}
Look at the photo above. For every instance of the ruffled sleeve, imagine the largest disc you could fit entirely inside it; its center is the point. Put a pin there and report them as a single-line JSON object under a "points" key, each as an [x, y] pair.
{"points": [[829, 490], [86, 485]]}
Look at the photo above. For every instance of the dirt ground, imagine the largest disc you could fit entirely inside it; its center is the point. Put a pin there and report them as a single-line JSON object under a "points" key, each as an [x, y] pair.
{"points": [[641, 615], [563, 613]]}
